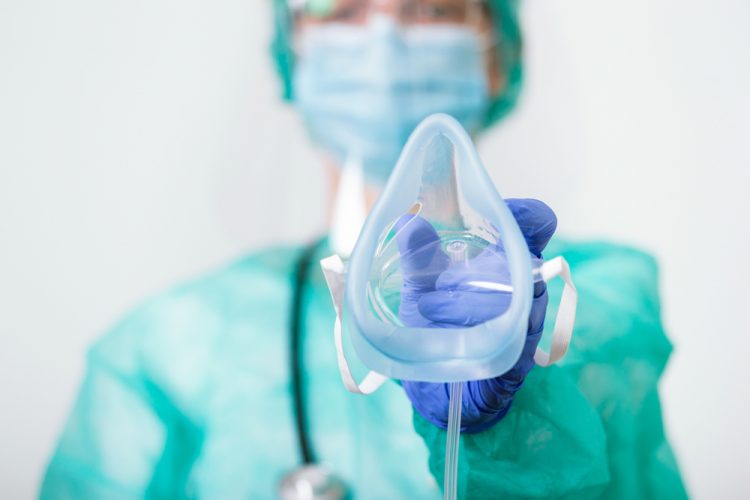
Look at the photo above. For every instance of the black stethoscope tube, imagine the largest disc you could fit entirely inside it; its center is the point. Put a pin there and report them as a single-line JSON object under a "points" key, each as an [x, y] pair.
{"points": [[295, 352], [309, 481]]}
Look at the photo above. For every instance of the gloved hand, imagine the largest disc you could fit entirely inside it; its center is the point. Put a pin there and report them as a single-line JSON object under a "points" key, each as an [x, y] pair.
{"points": [[436, 292]]}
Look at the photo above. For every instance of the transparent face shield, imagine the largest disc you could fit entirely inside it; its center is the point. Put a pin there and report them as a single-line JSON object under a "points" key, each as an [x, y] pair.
{"points": [[368, 72]]}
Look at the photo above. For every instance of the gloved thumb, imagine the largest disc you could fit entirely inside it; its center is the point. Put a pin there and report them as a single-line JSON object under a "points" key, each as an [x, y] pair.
{"points": [[536, 220], [422, 259]]}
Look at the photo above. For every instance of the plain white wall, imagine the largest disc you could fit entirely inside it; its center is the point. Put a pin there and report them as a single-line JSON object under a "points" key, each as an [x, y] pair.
{"points": [[142, 143]]}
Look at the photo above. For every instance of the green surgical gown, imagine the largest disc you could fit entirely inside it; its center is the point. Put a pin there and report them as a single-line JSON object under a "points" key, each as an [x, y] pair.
{"points": [[190, 397]]}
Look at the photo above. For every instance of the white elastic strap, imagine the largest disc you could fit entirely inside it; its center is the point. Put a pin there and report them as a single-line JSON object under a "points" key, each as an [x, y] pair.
{"points": [[566, 312], [333, 269], [371, 382]]}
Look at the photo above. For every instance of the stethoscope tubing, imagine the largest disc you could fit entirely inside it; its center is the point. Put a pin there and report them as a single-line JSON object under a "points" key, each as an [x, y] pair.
{"points": [[296, 361]]}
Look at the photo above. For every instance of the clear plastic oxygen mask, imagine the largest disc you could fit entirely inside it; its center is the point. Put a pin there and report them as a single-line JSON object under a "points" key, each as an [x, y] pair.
{"points": [[439, 285], [440, 245], [440, 282]]}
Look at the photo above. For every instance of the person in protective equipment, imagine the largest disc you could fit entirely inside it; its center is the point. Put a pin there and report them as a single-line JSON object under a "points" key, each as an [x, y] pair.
{"points": [[191, 394]]}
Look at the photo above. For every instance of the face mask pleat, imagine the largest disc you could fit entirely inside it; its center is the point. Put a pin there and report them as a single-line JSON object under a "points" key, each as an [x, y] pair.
{"points": [[362, 90]]}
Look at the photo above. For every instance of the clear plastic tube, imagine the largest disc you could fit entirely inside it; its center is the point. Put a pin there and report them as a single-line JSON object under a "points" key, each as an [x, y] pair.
{"points": [[457, 251], [450, 483]]}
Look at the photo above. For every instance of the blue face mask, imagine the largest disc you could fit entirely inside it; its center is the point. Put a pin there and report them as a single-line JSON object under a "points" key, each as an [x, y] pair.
{"points": [[363, 90]]}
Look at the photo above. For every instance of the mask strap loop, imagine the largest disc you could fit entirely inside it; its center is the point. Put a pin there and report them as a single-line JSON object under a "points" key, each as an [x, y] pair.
{"points": [[333, 269], [566, 312]]}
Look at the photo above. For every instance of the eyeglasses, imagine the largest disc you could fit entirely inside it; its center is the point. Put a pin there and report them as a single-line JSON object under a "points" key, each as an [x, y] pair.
{"points": [[407, 12]]}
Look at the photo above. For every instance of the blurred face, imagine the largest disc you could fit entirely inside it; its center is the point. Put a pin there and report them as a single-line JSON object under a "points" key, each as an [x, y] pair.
{"points": [[469, 13], [406, 11], [367, 72]]}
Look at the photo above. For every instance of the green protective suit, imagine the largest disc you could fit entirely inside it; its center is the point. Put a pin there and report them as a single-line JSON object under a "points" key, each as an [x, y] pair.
{"points": [[190, 396]]}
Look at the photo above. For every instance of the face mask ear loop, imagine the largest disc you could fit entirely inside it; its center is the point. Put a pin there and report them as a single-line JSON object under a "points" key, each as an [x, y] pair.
{"points": [[335, 273], [566, 313]]}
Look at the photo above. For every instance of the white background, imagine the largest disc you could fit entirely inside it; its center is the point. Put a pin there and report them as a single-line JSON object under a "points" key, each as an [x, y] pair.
{"points": [[142, 143]]}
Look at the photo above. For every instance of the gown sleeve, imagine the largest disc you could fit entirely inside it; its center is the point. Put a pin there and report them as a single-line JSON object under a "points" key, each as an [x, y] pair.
{"points": [[123, 438], [591, 427], [551, 444]]}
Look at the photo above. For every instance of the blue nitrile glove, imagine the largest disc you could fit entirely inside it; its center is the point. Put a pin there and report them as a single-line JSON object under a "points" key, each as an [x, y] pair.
{"points": [[435, 292]]}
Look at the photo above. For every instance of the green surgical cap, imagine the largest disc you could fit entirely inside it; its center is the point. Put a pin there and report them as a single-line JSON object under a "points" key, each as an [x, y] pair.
{"points": [[507, 31], [321, 7]]}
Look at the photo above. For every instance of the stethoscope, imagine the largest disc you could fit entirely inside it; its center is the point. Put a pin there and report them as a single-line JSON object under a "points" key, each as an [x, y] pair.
{"points": [[310, 480]]}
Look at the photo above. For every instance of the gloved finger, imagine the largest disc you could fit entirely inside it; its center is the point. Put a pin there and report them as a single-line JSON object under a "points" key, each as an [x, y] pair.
{"points": [[430, 400], [489, 267], [462, 308], [536, 220], [537, 314], [421, 258], [471, 307]]}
